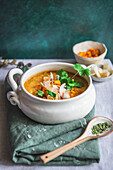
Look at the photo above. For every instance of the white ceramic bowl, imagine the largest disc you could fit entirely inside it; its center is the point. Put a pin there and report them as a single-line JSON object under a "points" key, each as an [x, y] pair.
{"points": [[86, 45], [103, 78], [50, 111]]}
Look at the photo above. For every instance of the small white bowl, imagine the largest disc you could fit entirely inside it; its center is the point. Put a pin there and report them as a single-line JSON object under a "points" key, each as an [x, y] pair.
{"points": [[104, 78], [101, 79], [86, 45]]}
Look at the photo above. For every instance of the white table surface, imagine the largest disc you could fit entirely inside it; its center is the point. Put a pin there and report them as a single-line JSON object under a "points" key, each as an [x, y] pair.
{"points": [[104, 107]]}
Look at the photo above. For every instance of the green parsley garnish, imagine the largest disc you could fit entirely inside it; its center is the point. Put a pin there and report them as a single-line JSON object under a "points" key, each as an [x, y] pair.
{"points": [[70, 81], [40, 93], [78, 84], [100, 128], [62, 73], [51, 94], [68, 87], [78, 67], [63, 80], [82, 71]]}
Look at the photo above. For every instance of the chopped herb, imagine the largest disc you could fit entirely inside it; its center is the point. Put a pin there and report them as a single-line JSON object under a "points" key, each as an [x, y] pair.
{"points": [[40, 93], [63, 80], [66, 80], [71, 84], [81, 70], [78, 84], [87, 71], [68, 87], [100, 128], [51, 94], [82, 73], [62, 73], [59, 72], [70, 81], [78, 67]]}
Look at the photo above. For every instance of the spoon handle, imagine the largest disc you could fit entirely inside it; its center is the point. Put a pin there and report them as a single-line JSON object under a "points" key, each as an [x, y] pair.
{"points": [[53, 154]]}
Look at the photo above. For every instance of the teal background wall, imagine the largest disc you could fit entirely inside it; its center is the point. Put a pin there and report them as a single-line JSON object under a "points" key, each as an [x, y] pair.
{"points": [[49, 28]]}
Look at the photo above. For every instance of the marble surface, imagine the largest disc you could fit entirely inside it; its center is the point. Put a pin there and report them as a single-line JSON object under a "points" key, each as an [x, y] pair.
{"points": [[104, 107]]}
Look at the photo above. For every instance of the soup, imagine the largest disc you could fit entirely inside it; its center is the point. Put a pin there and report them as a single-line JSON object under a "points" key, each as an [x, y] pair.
{"points": [[55, 85]]}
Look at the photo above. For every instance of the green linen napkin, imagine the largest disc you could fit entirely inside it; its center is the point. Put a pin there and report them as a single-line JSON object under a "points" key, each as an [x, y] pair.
{"points": [[28, 140]]}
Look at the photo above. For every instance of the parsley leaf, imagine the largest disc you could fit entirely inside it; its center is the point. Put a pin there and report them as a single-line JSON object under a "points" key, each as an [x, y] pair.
{"points": [[69, 79], [63, 80], [87, 71], [51, 94], [40, 93], [78, 67], [62, 73], [59, 72], [78, 84], [71, 82], [81, 70], [63, 76], [68, 87], [82, 73]]}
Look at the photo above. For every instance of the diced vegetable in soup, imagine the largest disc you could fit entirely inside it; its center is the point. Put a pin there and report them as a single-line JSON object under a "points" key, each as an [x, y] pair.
{"points": [[55, 85]]}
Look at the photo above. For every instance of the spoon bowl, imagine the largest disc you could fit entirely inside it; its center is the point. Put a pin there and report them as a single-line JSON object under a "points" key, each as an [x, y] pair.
{"points": [[87, 135], [97, 120]]}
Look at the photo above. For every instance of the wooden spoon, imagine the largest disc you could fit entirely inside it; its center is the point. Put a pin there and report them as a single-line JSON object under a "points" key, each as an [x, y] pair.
{"points": [[87, 135]]}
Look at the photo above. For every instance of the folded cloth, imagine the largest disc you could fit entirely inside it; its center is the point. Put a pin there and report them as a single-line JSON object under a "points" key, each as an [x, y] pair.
{"points": [[28, 140]]}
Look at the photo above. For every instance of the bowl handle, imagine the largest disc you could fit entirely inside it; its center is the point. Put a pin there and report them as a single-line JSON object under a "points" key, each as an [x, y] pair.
{"points": [[12, 96]]}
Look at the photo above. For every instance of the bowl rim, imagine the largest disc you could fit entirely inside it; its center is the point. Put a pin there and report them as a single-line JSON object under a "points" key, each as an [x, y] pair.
{"points": [[90, 59], [102, 78], [52, 101]]}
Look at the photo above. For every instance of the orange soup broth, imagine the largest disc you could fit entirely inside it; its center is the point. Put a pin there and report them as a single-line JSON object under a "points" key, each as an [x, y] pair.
{"points": [[33, 84]]}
